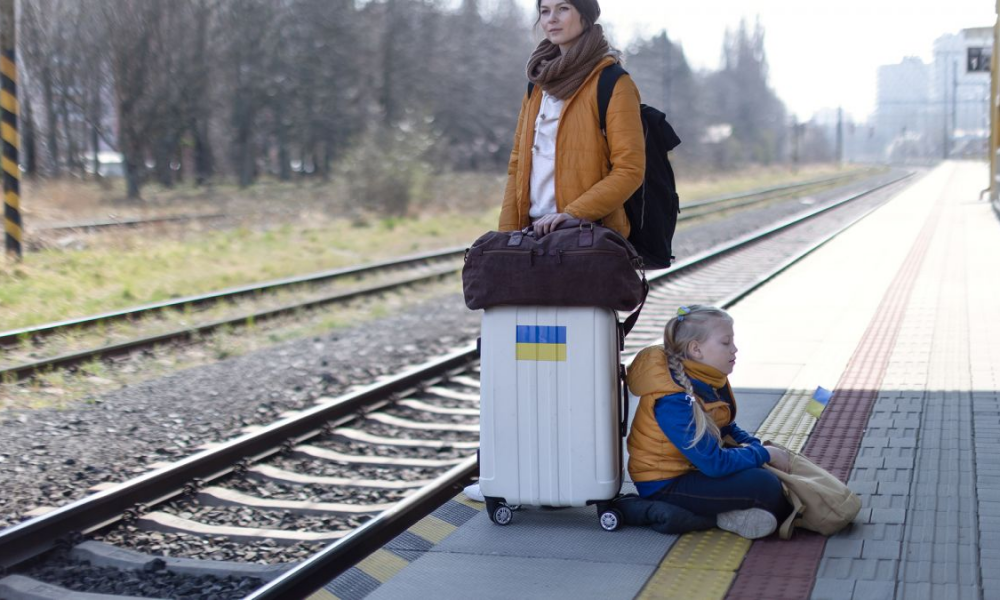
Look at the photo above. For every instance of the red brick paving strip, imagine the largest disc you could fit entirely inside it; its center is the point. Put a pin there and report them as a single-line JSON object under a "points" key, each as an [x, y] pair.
{"points": [[786, 570]]}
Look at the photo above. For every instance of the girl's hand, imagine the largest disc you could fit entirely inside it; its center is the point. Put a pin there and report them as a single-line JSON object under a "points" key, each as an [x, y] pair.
{"points": [[547, 223], [780, 459]]}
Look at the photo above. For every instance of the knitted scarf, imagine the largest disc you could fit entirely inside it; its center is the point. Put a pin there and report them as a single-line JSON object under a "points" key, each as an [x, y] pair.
{"points": [[560, 75]]}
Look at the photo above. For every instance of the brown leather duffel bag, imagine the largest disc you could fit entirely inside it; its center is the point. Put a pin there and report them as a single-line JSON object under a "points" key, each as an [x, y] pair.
{"points": [[578, 264]]}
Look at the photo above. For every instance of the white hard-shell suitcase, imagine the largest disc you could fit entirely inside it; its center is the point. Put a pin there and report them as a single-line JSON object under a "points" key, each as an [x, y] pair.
{"points": [[550, 411]]}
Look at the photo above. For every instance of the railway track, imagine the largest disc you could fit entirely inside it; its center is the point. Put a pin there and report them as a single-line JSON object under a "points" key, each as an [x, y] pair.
{"points": [[422, 422], [29, 355]]}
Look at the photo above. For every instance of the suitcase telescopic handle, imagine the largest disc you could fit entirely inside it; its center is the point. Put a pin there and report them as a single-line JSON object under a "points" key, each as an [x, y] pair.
{"points": [[624, 392]]}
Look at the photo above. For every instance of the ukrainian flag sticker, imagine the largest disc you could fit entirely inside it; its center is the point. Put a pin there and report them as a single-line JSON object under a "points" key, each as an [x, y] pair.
{"points": [[541, 342]]}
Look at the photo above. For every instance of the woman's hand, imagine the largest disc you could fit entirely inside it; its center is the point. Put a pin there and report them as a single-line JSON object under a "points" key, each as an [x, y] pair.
{"points": [[780, 459], [547, 223]]}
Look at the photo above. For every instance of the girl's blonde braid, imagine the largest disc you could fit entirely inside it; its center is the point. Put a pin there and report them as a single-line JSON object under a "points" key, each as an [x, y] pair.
{"points": [[675, 343]]}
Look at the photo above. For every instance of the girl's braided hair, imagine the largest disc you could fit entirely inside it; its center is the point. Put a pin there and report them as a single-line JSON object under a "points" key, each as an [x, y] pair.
{"points": [[693, 323]]}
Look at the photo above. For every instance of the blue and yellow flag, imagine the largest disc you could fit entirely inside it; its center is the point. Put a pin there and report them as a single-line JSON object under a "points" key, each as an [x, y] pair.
{"points": [[818, 401], [541, 342]]}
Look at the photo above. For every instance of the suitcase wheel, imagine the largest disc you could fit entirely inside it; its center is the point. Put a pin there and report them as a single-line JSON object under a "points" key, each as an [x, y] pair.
{"points": [[501, 514], [611, 519]]}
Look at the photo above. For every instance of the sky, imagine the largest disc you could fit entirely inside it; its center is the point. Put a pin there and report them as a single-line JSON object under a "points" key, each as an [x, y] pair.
{"points": [[821, 54]]}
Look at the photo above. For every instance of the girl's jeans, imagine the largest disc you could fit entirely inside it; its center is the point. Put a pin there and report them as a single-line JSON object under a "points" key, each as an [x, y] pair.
{"points": [[704, 495]]}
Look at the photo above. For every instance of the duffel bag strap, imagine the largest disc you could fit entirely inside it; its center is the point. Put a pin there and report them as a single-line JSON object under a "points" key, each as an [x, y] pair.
{"points": [[632, 318]]}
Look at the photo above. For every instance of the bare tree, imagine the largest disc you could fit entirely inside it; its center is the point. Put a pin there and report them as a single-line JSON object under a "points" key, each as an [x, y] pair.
{"points": [[133, 36]]}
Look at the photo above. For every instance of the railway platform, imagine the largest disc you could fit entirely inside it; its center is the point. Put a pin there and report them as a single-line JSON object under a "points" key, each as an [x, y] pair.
{"points": [[900, 317]]}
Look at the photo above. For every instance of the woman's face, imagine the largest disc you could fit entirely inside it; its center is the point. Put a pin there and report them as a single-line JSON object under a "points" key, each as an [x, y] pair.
{"points": [[561, 22]]}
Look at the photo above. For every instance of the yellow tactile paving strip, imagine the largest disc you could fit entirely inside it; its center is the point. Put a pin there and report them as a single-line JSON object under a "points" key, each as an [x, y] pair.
{"points": [[383, 565], [433, 529], [685, 574], [788, 423]]}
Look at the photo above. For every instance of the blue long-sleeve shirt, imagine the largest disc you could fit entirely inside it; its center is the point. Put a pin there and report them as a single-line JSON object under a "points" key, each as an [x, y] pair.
{"points": [[674, 416]]}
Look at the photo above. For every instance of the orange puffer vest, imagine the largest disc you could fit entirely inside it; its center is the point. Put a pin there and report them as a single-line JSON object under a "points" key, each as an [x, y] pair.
{"points": [[652, 456]]}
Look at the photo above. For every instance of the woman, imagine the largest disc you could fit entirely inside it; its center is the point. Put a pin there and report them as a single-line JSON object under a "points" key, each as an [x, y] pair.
{"points": [[562, 165]]}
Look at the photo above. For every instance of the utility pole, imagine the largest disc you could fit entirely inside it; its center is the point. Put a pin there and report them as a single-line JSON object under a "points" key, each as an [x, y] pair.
{"points": [[944, 110], [795, 144], [994, 108], [13, 228], [840, 135], [668, 76], [954, 99]]}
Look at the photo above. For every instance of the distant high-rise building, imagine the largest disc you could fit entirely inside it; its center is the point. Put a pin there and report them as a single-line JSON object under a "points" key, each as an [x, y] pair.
{"points": [[960, 91], [902, 112], [939, 109]]}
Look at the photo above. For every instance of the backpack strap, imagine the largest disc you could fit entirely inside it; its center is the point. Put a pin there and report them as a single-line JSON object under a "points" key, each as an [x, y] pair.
{"points": [[605, 87]]}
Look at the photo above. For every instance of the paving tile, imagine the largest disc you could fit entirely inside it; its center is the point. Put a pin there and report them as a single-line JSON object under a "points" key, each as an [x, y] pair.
{"points": [[873, 531], [887, 515], [832, 589], [864, 488], [858, 569], [887, 487], [879, 501], [880, 549], [874, 590], [837, 547]]}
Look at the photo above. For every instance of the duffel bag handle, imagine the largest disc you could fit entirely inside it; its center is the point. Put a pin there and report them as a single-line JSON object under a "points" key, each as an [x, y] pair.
{"points": [[586, 239]]}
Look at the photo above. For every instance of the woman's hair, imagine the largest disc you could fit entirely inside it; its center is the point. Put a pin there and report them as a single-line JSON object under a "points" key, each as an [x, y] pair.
{"points": [[692, 324], [590, 10]]}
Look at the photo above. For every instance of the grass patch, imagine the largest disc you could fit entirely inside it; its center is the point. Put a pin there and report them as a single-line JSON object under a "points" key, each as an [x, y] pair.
{"points": [[723, 184], [55, 285]]}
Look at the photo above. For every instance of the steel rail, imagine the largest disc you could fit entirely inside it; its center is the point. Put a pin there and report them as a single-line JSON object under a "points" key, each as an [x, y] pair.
{"points": [[26, 540], [770, 190], [312, 573], [132, 222], [23, 371], [754, 236], [12, 336], [33, 537]]}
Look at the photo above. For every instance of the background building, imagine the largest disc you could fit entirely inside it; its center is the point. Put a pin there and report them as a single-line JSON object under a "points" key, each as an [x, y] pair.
{"points": [[937, 110]]}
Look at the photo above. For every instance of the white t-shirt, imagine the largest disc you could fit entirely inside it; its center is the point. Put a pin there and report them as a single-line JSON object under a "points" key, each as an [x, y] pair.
{"points": [[543, 160]]}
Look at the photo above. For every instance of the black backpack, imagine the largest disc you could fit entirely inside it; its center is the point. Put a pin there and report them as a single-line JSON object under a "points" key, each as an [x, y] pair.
{"points": [[652, 210]]}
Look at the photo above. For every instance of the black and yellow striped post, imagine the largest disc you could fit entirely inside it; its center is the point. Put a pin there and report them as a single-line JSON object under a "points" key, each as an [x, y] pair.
{"points": [[13, 229]]}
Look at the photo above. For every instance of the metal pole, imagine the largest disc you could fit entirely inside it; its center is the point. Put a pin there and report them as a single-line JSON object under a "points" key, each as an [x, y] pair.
{"points": [[13, 227], [954, 102], [994, 107], [944, 108], [840, 135]]}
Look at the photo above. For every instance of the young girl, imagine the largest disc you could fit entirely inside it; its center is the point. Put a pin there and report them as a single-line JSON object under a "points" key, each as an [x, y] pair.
{"points": [[685, 448]]}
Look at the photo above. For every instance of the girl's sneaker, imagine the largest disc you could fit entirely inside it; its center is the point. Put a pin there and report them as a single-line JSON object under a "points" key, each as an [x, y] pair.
{"points": [[751, 523]]}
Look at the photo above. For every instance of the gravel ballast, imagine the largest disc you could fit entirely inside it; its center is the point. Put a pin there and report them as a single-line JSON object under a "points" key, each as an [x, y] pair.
{"points": [[114, 437], [153, 583]]}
